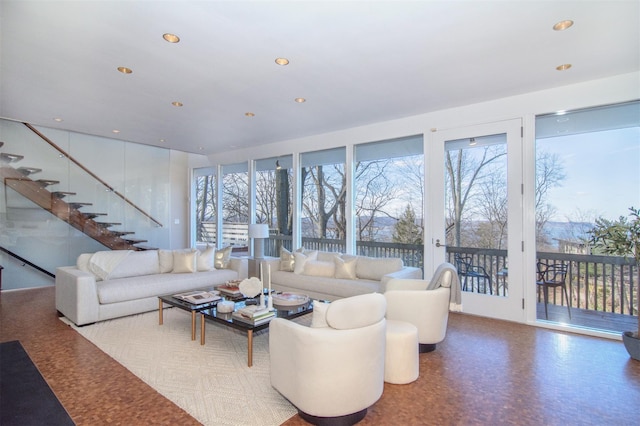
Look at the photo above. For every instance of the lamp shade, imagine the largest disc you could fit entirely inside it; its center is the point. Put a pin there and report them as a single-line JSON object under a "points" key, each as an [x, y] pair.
{"points": [[258, 230]]}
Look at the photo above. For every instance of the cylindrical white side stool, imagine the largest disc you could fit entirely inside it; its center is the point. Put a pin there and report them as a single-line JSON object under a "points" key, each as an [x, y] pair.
{"points": [[401, 364]]}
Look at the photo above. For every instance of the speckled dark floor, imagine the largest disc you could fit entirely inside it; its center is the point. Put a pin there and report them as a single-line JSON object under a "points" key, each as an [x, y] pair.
{"points": [[486, 372]]}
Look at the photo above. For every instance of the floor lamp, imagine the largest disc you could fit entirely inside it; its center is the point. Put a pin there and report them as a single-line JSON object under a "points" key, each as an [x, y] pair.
{"points": [[258, 232]]}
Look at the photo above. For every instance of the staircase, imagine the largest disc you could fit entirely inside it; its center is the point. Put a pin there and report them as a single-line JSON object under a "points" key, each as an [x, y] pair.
{"points": [[37, 190]]}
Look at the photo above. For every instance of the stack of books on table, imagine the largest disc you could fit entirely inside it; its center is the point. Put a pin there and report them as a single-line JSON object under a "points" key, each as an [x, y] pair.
{"points": [[198, 297], [253, 315], [230, 289]]}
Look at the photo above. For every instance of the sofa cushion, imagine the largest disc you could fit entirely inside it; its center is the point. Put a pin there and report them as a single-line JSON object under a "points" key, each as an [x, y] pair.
{"points": [[306, 284], [302, 259], [184, 262], [319, 314], [327, 256], [345, 267], [374, 268], [82, 262], [137, 263], [221, 258], [132, 288], [317, 268], [165, 258], [287, 260], [356, 312], [204, 259]]}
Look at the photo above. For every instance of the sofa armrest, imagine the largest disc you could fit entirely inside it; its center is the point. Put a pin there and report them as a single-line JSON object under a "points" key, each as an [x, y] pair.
{"points": [[404, 273], [240, 265], [77, 295], [321, 370], [428, 310]]}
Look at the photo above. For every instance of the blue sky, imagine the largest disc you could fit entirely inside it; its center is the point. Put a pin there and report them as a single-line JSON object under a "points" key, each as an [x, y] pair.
{"points": [[602, 173]]}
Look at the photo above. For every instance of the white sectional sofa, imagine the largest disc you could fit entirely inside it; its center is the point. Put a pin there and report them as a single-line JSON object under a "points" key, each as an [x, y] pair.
{"points": [[330, 276], [112, 284]]}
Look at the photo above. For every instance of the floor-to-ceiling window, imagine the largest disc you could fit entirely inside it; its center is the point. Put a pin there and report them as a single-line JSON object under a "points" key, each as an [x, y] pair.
{"points": [[389, 192], [235, 204], [324, 192], [205, 205], [587, 168], [274, 191]]}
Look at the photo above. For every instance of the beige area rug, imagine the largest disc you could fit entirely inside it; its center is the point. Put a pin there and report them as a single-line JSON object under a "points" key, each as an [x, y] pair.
{"points": [[212, 382]]}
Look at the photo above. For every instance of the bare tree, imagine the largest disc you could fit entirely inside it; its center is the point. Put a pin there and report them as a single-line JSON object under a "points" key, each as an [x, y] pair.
{"points": [[205, 203], [549, 174], [323, 199], [235, 197], [464, 172], [375, 191]]}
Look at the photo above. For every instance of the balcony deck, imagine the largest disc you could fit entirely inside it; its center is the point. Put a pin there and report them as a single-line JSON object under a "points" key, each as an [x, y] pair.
{"points": [[588, 318]]}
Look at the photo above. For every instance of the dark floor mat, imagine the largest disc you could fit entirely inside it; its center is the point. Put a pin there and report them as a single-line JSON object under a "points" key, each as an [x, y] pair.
{"points": [[25, 397]]}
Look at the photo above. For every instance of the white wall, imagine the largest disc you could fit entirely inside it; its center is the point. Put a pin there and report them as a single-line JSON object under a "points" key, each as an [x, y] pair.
{"points": [[596, 92]]}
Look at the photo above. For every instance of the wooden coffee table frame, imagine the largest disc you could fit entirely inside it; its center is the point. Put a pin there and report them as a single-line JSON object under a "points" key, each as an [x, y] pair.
{"points": [[208, 311], [225, 319], [185, 306]]}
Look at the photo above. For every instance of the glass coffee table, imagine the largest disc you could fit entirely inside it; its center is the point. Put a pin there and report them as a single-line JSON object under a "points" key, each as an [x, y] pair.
{"points": [[210, 313], [169, 299]]}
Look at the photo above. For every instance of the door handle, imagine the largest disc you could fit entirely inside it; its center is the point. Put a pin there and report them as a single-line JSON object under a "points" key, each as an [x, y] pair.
{"points": [[438, 244]]}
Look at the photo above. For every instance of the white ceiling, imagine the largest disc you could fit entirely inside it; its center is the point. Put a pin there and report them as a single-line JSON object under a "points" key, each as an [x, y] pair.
{"points": [[355, 62]]}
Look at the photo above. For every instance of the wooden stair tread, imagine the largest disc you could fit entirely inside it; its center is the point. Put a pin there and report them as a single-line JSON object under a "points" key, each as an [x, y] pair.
{"points": [[28, 170], [62, 194], [134, 241], [47, 182], [77, 205], [10, 158], [121, 233], [92, 215], [107, 224]]}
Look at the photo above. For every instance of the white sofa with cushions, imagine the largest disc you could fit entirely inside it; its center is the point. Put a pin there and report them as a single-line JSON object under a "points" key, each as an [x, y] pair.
{"points": [[330, 276], [111, 284]]}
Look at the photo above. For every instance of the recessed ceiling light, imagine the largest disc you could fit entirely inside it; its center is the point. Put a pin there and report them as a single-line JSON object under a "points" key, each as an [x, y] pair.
{"points": [[115, 131], [162, 140], [59, 120], [201, 148], [300, 100], [171, 38], [282, 61], [563, 67], [177, 104], [563, 25], [125, 70], [249, 114]]}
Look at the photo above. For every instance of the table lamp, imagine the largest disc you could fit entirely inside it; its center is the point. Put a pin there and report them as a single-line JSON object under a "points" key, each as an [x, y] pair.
{"points": [[258, 232]]}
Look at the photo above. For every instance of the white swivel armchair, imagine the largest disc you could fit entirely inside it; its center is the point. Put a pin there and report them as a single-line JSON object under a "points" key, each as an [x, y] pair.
{"points": [[409, 300], [332, 373]]}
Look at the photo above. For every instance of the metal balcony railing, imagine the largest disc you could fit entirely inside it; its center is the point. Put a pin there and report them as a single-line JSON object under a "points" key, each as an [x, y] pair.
{"points": [[603, 287]]}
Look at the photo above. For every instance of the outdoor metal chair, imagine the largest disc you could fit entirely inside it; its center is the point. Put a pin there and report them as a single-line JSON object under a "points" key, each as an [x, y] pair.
{"points": [[552, 276], [467, 270]]}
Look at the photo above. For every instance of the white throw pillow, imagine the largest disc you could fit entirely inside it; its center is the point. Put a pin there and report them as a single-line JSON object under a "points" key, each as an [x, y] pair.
{"points": [[374, 268], [184, 262], [205, 259], [345, 267], [319, 314], [287, 260], [316, 268], [136, 264], [301, 259], [82, 262], [327, 256], [222, 258], [165, 258]]}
